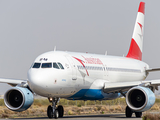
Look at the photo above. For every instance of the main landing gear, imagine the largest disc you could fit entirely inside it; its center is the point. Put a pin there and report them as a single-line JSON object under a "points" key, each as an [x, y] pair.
{"points": [[129, 113], [54, 111]]}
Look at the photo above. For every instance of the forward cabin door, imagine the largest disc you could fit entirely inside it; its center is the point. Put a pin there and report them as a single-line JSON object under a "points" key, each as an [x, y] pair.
{"points": [[105, 72], [73, 67]]}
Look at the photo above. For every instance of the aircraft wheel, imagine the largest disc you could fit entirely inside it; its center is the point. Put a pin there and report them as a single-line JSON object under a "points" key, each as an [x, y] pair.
{"points": [[128, 112], [50, 112], [56, 114], [60, 110], [138, 114]]}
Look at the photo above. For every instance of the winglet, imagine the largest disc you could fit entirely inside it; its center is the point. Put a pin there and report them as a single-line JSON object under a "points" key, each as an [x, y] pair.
{"points": [[135, 50]]}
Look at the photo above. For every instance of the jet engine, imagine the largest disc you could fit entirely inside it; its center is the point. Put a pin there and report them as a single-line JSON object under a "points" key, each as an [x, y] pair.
{"points": [[140, 99], [18, 99]]}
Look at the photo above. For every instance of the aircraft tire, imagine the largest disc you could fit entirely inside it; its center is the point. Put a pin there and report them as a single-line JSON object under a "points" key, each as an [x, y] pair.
{"points": [[128, 112], [60, 110], [56, 114], [138, 114], [50, 112]]}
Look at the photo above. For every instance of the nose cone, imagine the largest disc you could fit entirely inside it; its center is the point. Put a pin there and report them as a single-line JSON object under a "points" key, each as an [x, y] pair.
{"points": [[45, 82], [37, 81]]}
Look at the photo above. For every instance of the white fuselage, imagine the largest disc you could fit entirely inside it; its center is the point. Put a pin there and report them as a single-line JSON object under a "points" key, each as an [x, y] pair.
{"points": [[81, 73]]}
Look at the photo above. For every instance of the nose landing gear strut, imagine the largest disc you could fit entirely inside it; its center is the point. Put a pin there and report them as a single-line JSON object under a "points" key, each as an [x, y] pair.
{"points": [[54, 111]]}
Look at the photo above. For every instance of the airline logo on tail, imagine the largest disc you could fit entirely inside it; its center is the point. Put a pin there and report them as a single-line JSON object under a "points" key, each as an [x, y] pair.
{"points": [[135, 50]]}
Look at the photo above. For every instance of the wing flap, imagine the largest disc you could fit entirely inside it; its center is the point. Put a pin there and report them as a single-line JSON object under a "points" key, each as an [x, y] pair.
{"points": [[152, 82]]}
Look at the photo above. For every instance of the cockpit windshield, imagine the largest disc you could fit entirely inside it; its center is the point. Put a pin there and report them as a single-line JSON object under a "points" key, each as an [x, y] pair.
{"points": [[46, 65], [55, 66], [60, 65], [36, 65]]}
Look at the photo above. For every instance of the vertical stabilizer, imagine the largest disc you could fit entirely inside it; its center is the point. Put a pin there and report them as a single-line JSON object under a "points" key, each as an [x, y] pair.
{"points": [[135, 50]]}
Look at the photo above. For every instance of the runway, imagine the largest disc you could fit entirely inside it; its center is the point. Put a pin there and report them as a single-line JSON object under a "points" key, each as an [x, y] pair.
{"points": [[86, 117]]}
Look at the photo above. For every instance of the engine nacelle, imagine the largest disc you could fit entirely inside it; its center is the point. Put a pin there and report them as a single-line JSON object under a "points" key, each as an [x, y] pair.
{"points": [[140, 99], [18, 99]]}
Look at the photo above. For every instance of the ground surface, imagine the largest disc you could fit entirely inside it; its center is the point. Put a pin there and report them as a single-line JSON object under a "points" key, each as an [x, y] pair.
{"points": [[85, 117]]}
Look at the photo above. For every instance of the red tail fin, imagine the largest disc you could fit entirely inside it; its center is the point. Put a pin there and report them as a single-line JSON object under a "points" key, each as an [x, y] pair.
{"points": [[135, 50]]}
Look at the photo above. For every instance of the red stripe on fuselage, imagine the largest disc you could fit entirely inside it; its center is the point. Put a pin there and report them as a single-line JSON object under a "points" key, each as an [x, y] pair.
{"points": [[134, 51], [82, 64]]}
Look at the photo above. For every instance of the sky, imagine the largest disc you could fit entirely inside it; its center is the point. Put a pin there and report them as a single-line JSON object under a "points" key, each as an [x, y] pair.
{"points": [[29, 28]]}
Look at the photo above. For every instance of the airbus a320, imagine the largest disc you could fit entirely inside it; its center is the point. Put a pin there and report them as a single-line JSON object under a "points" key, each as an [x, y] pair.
{"points": [[84, 76]]}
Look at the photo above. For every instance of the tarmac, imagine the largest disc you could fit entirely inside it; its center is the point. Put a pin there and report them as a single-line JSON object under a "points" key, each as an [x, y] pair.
{"points": [[86, 117]]}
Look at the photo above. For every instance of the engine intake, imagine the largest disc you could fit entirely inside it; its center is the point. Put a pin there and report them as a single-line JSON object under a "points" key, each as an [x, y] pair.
{"points": [[18, 99], [140, 98]]}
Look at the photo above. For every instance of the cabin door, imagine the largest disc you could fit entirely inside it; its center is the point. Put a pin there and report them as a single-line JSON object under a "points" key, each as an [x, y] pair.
{"points": [[73, 67], [105, 72]]}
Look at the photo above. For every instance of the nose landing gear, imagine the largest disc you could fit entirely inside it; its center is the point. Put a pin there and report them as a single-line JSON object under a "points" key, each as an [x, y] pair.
{"points": [[54, 111]]}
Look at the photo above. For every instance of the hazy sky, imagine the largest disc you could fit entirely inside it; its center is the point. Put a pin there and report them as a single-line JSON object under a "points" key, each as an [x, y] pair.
{"points": [[29, 28]]}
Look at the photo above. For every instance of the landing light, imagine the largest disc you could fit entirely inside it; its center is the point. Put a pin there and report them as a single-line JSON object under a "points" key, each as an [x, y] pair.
{"points": [[50, 99]]}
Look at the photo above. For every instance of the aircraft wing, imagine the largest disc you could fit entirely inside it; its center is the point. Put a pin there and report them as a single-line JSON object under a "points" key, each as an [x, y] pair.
{"points": [[125, 86], [14, 82]]}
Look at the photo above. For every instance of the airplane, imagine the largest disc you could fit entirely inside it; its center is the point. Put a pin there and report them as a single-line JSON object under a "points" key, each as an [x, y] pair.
{"points": [[85, 76]]}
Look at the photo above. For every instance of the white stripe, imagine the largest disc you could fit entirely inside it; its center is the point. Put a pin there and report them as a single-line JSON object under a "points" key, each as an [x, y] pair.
{"points": [[138, 32]]}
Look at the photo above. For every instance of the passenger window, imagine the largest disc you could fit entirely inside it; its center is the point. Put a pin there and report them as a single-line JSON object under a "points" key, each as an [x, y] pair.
{"points": [[60, 65], [46, 65], [36, 65], [55, 66]]}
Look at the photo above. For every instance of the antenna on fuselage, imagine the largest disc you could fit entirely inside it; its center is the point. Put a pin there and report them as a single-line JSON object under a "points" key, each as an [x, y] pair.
{"points": [[106, 53], [54, 48]]}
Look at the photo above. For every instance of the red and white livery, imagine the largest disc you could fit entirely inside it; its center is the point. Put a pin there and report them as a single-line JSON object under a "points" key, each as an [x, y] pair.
{"points": [[136, 46], [84, 76]]}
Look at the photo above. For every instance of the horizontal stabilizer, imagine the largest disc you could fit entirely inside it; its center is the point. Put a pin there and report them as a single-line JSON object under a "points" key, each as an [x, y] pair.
{"points": [[153, 69]]}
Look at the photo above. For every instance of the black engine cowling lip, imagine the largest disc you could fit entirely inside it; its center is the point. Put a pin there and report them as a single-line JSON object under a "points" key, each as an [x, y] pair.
{"points": [[9, 106], [132, 107]]}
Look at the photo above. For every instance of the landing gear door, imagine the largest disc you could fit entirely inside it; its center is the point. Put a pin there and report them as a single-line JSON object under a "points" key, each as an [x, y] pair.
{"points": [[73, 67]]}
